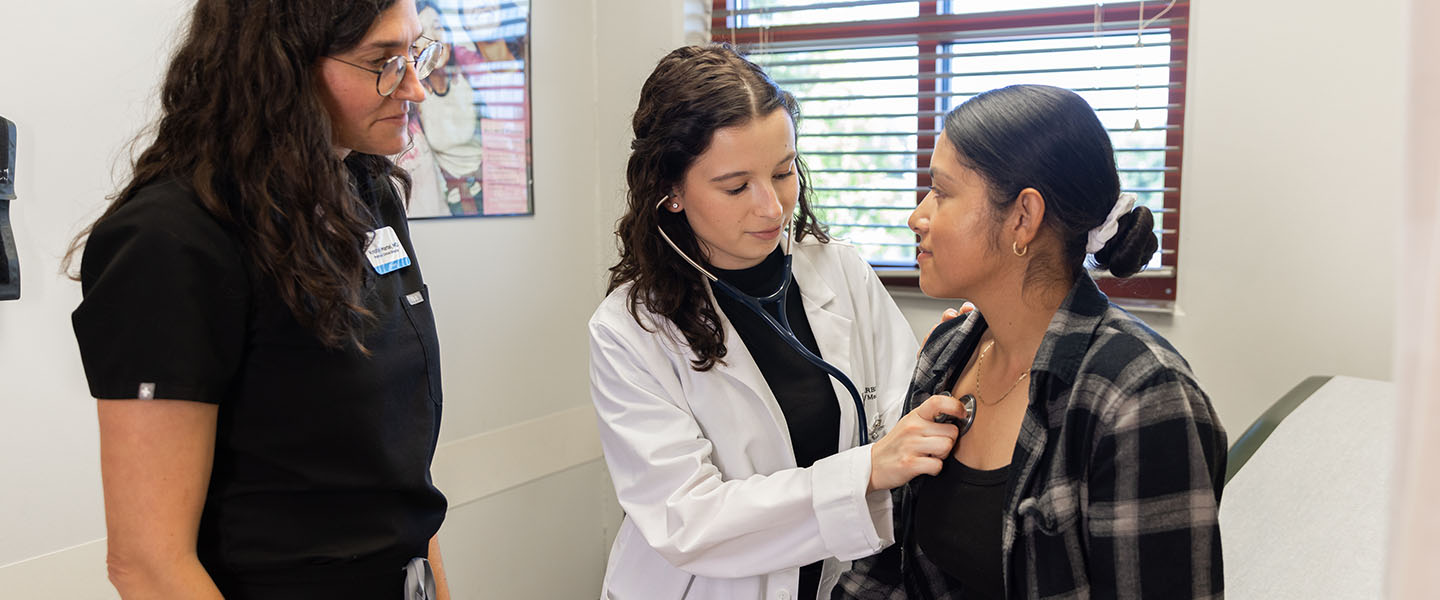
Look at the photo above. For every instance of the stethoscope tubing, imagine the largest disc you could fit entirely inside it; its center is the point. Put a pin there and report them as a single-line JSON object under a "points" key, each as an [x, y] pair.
{"points": [[782, 325]]}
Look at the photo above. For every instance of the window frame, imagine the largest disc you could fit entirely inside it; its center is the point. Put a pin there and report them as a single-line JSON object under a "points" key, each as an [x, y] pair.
{"points": [[1152, 288]]}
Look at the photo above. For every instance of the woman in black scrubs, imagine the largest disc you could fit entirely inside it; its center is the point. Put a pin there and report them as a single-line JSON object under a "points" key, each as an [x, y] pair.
{"points": [[255, 325]]}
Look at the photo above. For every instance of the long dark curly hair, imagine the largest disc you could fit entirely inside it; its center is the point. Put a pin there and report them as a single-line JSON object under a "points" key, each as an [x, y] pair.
{"points": [[693, 92], [243, 127]]}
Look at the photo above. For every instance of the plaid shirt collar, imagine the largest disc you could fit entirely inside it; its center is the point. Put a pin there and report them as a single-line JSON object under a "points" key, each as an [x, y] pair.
{"points": [[1069, 335]]}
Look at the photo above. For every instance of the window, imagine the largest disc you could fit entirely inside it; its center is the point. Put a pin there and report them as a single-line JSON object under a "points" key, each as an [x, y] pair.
{"points": [[876, 77]]}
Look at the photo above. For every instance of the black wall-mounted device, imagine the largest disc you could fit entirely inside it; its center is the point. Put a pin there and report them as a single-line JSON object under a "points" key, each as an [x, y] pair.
{"points": [[9, 261]]}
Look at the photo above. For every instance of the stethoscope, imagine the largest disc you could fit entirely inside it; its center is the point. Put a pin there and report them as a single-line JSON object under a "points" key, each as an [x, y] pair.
{"points": [[782, 326], [968, 401]]}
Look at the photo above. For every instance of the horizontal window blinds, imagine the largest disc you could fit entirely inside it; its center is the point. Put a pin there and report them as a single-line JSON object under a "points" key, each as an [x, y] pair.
{"points": [[875, 78]]}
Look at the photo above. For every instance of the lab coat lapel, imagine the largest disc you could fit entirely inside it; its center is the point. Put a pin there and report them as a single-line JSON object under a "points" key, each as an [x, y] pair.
{"points": [[740, 367], [832, 334]]}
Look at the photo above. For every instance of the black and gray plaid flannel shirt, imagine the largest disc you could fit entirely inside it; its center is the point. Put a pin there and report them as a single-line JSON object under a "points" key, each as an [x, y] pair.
{"points": [[1115, 482]]}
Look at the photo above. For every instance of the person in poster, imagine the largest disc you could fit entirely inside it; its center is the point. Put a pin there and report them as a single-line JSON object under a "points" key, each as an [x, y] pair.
{"points": [[471, 138]]}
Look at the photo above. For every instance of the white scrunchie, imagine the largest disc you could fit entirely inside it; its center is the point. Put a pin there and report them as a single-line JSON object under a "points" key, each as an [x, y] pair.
{"points": [[1106, 230]]}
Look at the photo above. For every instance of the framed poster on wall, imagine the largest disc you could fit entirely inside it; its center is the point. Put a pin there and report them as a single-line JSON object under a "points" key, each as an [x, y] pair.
{"points": [[470, 151]]}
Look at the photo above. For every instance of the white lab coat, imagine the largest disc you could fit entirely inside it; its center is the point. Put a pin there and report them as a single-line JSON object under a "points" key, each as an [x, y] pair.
{"points": [[702, 461]]}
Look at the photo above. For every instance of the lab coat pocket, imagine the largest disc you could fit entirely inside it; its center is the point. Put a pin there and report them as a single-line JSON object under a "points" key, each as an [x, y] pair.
{"points": [[417, 309], [637, 572]]}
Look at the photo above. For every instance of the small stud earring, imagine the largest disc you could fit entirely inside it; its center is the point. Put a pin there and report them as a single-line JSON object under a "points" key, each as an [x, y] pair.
{"points": [[675, 205]]}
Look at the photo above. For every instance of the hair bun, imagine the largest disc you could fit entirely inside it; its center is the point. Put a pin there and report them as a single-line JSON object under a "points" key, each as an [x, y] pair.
{"points": [[1134, 243]]}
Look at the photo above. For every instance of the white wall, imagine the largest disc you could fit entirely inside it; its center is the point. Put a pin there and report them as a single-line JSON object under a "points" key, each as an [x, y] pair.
{"points": [[511, 302], [531, 358], [518, 458], [1292, 179], [74, 111], [630, 39]]}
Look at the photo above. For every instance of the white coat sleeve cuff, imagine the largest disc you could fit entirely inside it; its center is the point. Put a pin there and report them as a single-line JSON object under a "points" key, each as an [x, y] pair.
{"points": [[853, 524]]}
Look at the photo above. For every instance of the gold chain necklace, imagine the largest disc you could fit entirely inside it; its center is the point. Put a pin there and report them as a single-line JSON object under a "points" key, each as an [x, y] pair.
{"points": [[981, 363]]}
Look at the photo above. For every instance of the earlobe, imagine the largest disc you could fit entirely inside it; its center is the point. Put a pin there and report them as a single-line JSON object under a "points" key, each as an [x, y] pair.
{"points": [[670, 202]]}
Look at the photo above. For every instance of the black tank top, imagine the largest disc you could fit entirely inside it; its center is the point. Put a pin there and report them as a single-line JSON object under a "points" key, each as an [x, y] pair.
{"points": [[957, 526]]}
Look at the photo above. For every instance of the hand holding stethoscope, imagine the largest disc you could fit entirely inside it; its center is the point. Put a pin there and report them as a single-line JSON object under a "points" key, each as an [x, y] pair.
{"points": [[919, 442], [923, 438]]}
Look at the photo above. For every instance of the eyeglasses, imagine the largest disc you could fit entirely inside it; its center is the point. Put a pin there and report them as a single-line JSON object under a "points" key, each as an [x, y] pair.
{"points": [[389, 76]]}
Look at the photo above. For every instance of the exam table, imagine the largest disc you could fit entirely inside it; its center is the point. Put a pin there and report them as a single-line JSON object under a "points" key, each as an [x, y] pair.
{"points": [[1304, 513]]}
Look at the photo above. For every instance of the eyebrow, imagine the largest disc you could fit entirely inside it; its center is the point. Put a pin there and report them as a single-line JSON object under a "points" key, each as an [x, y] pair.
{"points": [[788, 157], [389, 44]]}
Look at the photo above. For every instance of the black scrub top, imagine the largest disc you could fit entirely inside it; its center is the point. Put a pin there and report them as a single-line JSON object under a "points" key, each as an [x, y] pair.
{"points": [[321, 482]]}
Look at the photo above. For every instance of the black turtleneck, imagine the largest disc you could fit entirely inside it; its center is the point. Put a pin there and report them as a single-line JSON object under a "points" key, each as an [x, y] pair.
{"points": [[804, 392]]}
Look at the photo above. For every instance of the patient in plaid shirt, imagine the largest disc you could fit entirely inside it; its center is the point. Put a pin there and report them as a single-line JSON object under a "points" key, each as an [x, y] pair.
{"points": [[1094, 463]]}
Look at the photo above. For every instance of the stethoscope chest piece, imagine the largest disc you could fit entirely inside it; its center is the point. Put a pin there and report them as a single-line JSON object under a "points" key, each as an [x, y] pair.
{"points": [[968, 401]]}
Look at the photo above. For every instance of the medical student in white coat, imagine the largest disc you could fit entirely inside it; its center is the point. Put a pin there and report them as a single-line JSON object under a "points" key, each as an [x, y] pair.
{"points": [[740, 465]]}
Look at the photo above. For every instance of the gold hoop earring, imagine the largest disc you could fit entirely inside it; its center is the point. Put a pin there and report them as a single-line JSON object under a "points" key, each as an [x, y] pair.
{"points": [[1015, 247]]}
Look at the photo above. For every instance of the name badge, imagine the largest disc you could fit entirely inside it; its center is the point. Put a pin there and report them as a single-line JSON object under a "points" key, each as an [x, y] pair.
{"points": [[384, 250]]}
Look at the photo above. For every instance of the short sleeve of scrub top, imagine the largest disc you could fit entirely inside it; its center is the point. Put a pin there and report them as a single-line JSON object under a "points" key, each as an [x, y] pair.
{"points": [[165, 301]]}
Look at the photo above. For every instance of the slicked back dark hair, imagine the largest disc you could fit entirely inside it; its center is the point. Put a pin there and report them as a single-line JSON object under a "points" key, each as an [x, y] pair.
{"points": [[1049, 139]]}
